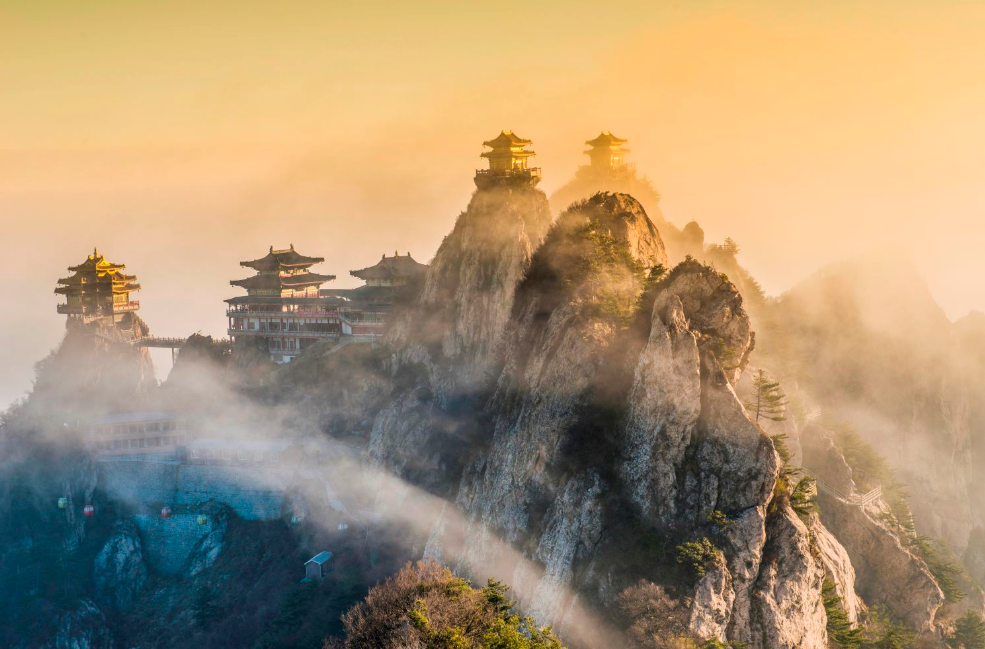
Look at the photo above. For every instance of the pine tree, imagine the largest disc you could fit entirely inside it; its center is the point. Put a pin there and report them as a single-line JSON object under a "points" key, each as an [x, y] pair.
{"points": [[840, 629], [969, 632], [769, 401]]}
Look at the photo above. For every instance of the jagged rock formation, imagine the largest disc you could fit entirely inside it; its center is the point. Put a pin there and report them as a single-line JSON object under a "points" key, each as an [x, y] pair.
{"points": [[448, 343], [119, 573], [615, 395]]}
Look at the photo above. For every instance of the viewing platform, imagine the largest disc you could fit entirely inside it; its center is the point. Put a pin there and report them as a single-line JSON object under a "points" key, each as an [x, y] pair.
{"points": [[486, 178], [102, 311]]}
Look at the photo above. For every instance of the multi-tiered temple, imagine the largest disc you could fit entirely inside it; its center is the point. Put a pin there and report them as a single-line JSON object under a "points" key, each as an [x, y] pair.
{"points": [[507, 163], [97, 289], [282, 306], [367, 307], [607, 157]]}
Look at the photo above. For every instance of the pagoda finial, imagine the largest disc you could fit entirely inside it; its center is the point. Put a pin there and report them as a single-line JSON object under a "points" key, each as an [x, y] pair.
{"points": [[396, 254], [271, 249], [95, 252], [292, 246]]}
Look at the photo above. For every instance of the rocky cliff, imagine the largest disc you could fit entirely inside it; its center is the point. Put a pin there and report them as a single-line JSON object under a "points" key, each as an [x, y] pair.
{"points": [[866, 340], [613, 401], [448, 344]]}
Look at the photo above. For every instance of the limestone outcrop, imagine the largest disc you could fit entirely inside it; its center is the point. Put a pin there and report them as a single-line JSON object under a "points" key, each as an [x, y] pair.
{"points": [[119, 572], [613, 399]]}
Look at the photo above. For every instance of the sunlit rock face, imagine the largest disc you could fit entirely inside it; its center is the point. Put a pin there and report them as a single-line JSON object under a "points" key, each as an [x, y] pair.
{"points": [[447, 346]]}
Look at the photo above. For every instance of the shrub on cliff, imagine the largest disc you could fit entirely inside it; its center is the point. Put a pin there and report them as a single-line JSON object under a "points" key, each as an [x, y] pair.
{"points": [[425, 605]]}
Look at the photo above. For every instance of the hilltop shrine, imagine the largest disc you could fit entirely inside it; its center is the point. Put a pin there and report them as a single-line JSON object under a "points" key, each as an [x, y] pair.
{"points": [[607, 157], [97, 289], [507, 163], [282, 305]]}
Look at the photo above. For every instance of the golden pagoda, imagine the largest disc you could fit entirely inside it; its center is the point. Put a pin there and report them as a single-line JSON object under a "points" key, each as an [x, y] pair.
{"points": [[507, 162], [607, 155], [97, 288]]}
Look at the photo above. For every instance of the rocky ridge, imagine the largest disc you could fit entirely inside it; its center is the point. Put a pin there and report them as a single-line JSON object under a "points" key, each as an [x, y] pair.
{"points": [[616, 395]]}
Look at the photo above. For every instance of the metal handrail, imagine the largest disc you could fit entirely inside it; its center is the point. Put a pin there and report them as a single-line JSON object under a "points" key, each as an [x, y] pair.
{"points": [[853, 499]]}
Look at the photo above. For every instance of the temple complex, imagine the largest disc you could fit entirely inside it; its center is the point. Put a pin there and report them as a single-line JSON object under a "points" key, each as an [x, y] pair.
{"points": [[607, 156], [282, 306], [364, 313], [507, 163], [97, 289]]}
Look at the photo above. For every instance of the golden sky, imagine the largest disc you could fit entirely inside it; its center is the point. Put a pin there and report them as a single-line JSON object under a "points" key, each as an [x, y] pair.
{"points": [[181, 137]]}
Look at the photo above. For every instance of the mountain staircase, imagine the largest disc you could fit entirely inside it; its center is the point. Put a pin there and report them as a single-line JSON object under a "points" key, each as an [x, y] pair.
{"points": [[852, 499]]}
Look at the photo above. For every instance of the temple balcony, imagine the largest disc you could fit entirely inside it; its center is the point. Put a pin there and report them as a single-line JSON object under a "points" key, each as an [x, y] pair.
{"points": [[256, 313], [98, 311], [485, 178], [285, 333]]}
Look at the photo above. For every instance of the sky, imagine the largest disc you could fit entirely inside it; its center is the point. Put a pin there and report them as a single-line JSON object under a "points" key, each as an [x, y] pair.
{"points": [[181, 137]]}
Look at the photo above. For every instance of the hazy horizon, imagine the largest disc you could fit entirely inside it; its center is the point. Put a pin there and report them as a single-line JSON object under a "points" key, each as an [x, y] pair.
{"points": [[181, 139]]}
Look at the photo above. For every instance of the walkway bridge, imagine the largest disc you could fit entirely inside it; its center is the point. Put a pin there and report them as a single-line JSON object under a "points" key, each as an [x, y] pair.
{"points": [[174, 344], [853, 499]]}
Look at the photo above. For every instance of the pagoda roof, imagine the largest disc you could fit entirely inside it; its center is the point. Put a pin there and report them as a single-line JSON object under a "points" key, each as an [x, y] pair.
{"points": [[391, 267], [272, 280], [96, 262], [606, 139], [276, 259], [506, 140]]}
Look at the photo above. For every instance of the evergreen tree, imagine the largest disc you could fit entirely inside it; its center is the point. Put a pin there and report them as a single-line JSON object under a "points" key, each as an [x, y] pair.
{"points": [[969, 632], [204, 608], [840, 629], [768, 401]]}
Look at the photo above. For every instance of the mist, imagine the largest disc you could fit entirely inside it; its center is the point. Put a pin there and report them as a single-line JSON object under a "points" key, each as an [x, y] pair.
{"points": [[760, 122]]}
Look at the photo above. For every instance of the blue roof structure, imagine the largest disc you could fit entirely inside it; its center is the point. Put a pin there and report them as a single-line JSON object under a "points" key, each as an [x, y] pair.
{"points": [[320, 558]]}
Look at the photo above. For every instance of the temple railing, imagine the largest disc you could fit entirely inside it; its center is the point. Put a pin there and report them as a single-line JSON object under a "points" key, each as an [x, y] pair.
{"points": [[101, 311], [280, 314], [177, 343], [286, 333], [491, 177]]}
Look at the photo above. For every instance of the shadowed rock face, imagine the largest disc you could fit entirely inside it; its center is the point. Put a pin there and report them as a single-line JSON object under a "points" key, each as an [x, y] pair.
{"points": [[83, 628]]}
